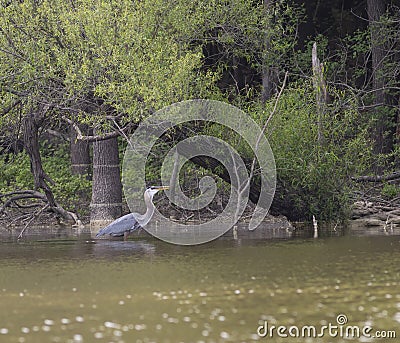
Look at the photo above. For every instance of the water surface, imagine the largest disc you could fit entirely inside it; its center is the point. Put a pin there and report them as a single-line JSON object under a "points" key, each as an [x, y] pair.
{"points": [[73, 290]]}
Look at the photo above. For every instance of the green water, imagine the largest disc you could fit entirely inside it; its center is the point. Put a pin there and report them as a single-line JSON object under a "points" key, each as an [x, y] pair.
{"points": [[150, 291]]}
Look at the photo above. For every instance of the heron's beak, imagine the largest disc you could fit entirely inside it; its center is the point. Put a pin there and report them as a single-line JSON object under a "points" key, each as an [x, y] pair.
{"points": [[163, 188]]}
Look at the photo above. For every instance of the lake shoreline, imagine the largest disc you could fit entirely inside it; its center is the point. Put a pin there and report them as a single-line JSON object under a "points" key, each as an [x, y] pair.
{"points": [[271, 228]]}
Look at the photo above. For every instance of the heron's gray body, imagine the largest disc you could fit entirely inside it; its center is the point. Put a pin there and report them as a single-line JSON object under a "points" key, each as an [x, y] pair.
{"points": [[117, 228], [132, 221]]}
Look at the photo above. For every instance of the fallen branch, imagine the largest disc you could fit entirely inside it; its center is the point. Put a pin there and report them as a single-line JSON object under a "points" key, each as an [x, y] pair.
{"points": [[36, 204], [22, 217], [377, 178], [34, 216], [32, 194], [19, 195]]}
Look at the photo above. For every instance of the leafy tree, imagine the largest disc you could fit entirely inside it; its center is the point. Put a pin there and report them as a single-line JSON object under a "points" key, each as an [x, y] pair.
{"points": [[102, 63]]}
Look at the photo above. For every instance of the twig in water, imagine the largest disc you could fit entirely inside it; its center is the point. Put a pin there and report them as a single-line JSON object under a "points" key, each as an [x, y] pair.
{"points": [[34, 216]]}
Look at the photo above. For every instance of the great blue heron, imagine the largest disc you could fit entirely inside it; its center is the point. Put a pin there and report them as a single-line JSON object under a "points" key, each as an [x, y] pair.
{"points": [[132, 221]]}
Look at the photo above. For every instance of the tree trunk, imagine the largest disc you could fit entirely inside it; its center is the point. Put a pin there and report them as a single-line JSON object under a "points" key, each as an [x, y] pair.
{"points": [[31, 144], [80, 156], [320, 93], [41, 179], [106, 202], [398, 125], [376, 8], [268, 72]]}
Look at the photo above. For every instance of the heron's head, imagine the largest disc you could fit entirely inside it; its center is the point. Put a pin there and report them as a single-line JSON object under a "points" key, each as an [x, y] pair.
{"points": [[151, 191]]}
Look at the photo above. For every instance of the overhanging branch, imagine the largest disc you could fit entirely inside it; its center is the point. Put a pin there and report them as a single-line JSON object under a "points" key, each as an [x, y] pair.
{"points": [[95, 138]]}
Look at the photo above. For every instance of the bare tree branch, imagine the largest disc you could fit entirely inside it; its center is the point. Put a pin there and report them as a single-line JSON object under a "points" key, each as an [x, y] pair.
{"points": [[95, 138]]}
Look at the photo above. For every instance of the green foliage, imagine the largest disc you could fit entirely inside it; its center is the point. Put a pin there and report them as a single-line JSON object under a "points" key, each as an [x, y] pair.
{"points": [[390, 191], [71, 191], [246, 37], [84, 55], [15, 173], [92, 60], [315, 178]]}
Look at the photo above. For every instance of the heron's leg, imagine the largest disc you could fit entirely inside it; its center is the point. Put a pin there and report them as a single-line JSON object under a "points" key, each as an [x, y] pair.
{"points": [[126, 233]]}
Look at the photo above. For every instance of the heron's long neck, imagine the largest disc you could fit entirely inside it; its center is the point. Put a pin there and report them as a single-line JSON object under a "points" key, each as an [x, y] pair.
{"points": [[143, 219]]}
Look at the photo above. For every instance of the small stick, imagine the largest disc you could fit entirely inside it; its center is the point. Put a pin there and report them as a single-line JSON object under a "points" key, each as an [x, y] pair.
{"points": [[34, 216], [315, 223]]}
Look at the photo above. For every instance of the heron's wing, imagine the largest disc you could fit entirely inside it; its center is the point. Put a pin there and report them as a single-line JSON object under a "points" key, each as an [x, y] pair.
{"points": [[119, 226]]}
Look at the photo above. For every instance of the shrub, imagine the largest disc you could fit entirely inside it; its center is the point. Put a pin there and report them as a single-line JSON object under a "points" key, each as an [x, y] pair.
{"points": [[315, 178], [69, 190]]}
